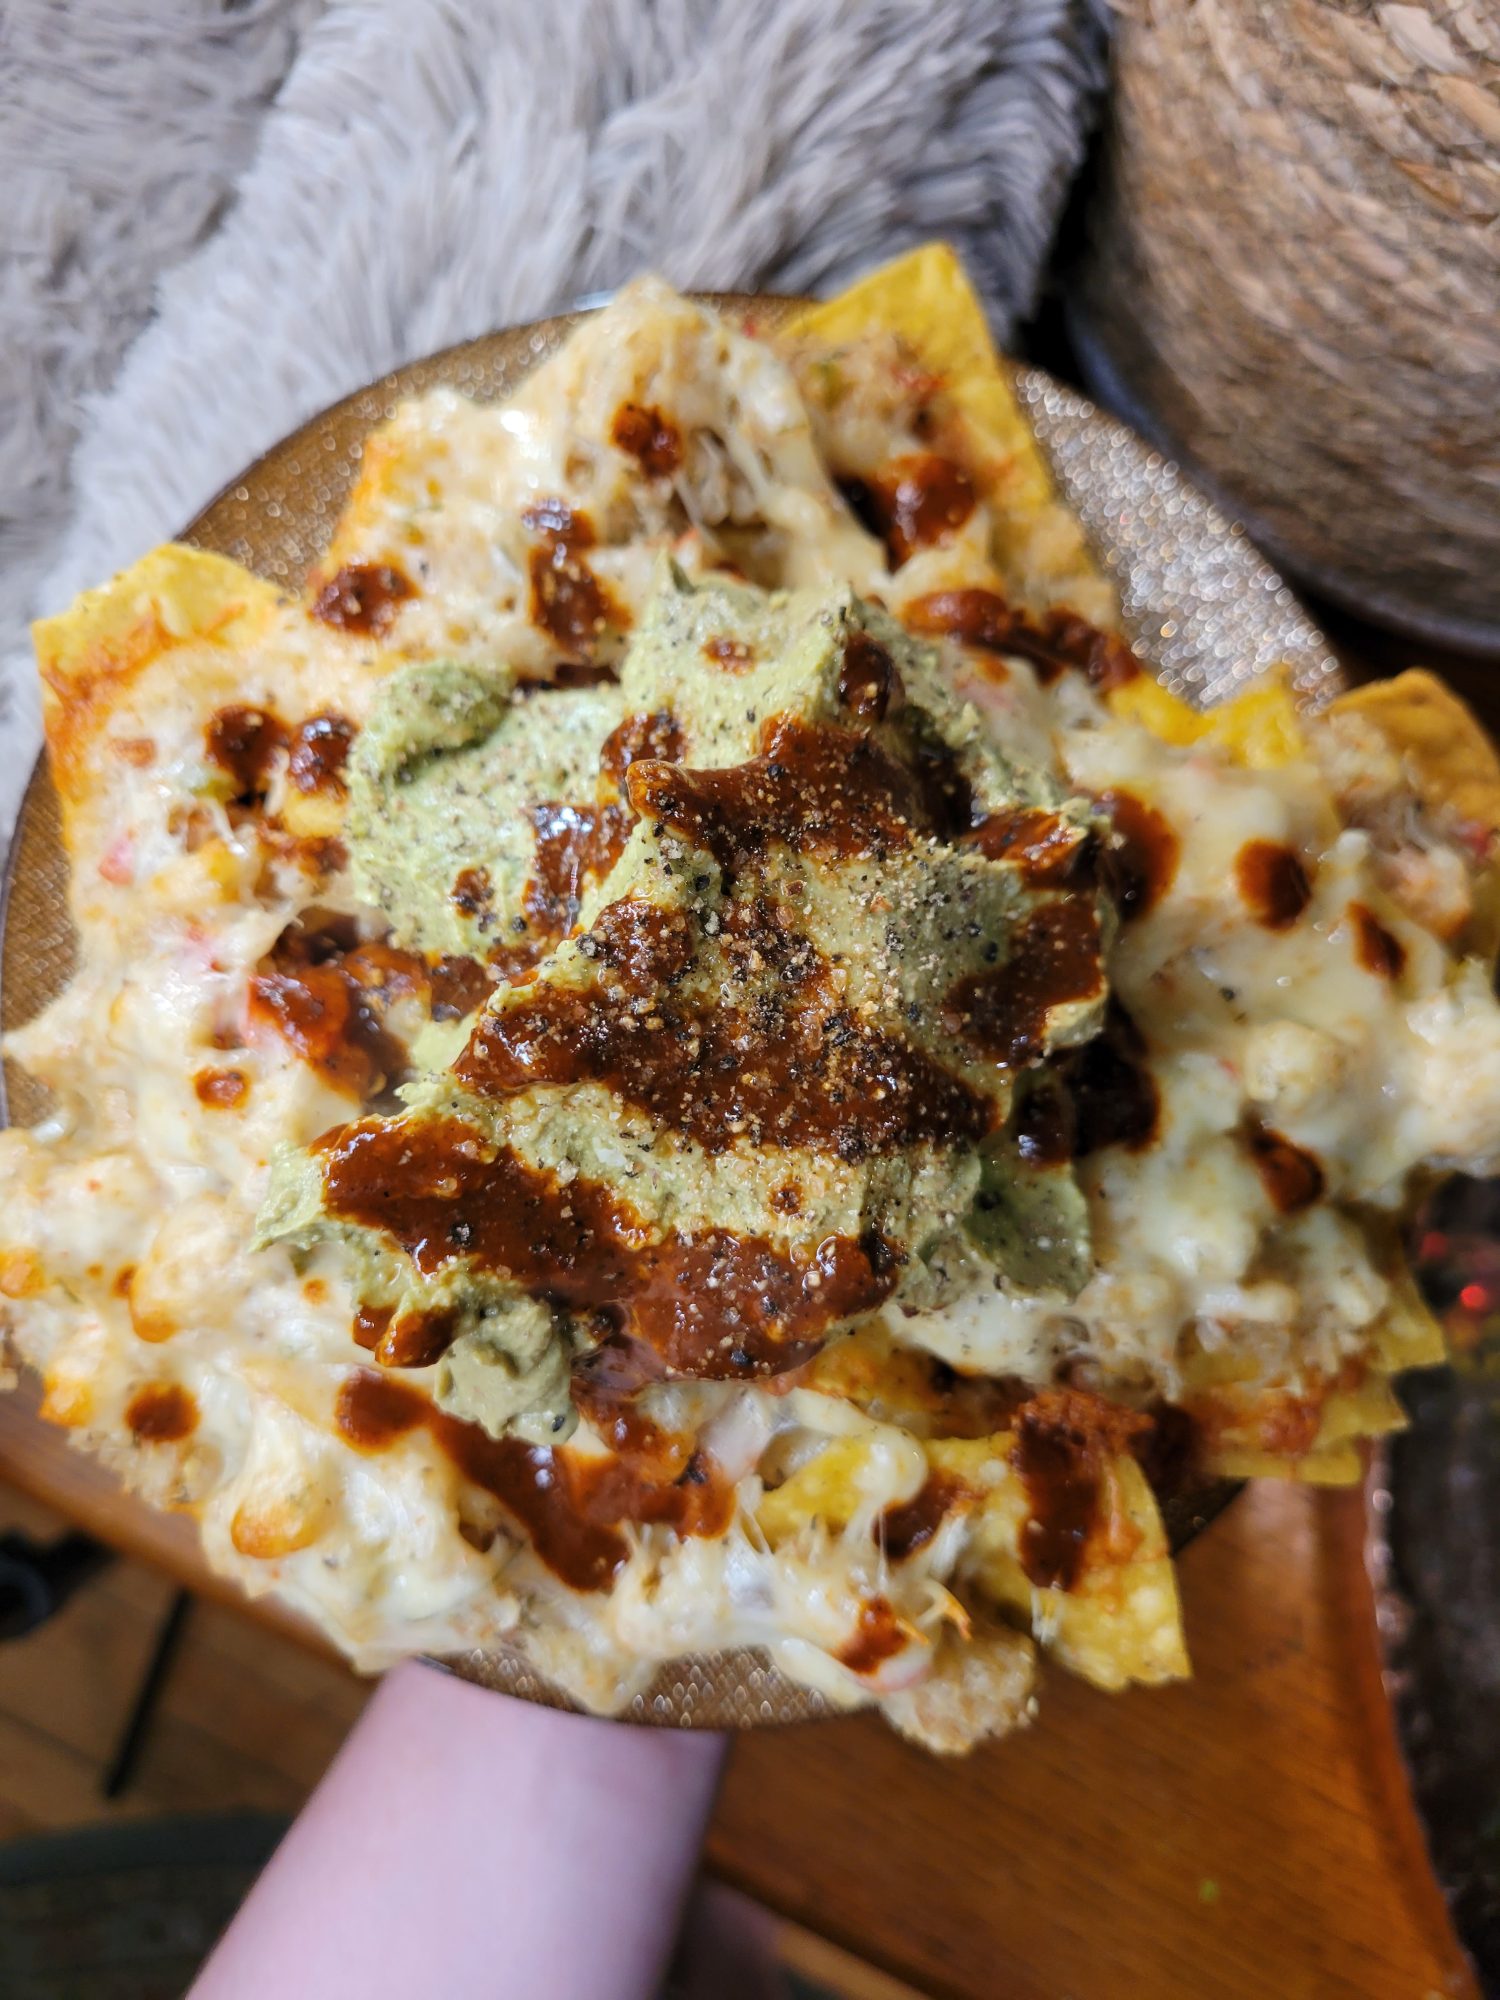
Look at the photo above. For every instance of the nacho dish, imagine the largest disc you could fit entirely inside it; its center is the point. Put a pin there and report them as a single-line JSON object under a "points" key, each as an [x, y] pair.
{"points": [[687, 1052]]}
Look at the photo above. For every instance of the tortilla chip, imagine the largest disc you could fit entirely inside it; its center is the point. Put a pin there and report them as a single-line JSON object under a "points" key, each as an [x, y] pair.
{"points": [[90, 655], [1259, 729], [926, 299], [1448, 757], [1121, 1623]]}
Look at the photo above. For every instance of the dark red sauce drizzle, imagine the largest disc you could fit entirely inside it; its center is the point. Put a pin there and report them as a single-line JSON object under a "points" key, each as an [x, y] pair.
{"points": [[1054, 958], [653, 440], [912, 502], [1273, 882], [1377, 949], [327, 993], [1058, 641], [363, 598], [1291, 1176], [717, 1306], [814, 787], [577, 845], [1102, 1094], [1062, 1441], [319, 752], [877, 1637], [794, 1065], [221, 1089], [1142, 865], [1114, 1095], [567, 599], [1048, 850], [911, 1524], [869, 679], [162, 1413], [730, 656], [532, 1482], [245, 741]]}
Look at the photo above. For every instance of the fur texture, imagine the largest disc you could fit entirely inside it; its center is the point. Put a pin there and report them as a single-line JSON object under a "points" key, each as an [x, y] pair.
{"points": [[432, 168]]}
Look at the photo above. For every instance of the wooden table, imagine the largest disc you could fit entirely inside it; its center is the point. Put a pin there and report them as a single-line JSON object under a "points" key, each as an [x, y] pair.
{"points": [[1248, 1836]]}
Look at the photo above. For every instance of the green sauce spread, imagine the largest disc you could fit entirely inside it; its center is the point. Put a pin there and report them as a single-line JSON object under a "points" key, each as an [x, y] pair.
{"points": [[785, 952]]}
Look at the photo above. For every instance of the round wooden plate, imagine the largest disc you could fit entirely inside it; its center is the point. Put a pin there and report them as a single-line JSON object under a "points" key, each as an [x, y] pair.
{"points": [[1199, 605]]}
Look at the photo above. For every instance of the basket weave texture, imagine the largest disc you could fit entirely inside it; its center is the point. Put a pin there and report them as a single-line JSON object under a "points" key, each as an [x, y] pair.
{"points": [[1294, 269]]}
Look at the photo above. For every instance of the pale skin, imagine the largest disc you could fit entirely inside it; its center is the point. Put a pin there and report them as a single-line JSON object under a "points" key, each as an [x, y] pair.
{"points": [[463, 1843]]}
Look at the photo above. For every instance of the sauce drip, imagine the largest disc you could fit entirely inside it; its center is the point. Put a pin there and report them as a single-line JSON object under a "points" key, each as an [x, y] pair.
{"points": [[162, 1413], [574, 845], [414, 1340], [869, 679], [1291, 1176], [1377, 949], [1273, 882], [1048, 850], [221, 1089], [363, 598], [319, 752], [529, 1481], [1060, 640], [457, 986], [730, 656], [790, 1065], [1142, 865], [328, 1000], [715, 1306], [570, 1506], [1102, 1094], [1054, 959], [653, 440], [326, 993], [913, 501], [246, 742], [471, 895], [970, 1406], [878, 1635], [1114, 1095], [1062, 1442], [814, 787], [658, 1475], [567, 599], [370, 1323], [911, 1524], [578, 845]]}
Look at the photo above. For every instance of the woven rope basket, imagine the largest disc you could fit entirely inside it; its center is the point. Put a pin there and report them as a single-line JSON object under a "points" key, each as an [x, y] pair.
{"points": [[1293, 281]]}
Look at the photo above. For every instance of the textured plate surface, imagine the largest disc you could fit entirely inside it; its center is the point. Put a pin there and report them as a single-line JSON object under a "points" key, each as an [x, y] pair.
{"points": [[1200, 605]]}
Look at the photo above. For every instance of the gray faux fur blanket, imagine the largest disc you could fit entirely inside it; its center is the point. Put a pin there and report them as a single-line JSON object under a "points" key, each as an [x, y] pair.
{"points": [[219, 215]]}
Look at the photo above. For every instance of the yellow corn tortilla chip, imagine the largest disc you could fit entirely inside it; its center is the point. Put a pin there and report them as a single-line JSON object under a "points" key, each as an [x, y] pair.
{"points": [[926, 299], [1450, 760], [90, 655], [1121, 1623], [1259, 729]]}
